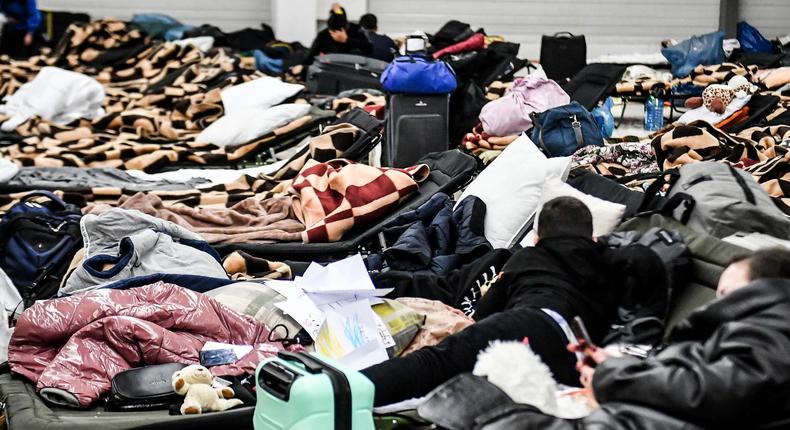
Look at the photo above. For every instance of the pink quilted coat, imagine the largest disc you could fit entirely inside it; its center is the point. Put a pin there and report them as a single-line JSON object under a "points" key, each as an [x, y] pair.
{"points": [[77, 344]]}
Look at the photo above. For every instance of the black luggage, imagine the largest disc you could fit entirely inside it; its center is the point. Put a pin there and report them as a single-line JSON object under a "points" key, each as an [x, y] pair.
{"points": [[56, 23], [593, 84], [416, 126], [333, 73], [451, 33], [563, 55]]}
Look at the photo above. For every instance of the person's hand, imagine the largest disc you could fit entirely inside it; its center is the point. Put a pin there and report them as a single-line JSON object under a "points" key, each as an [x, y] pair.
{"points": [[339, 36], [28, 40], [592, 357]]}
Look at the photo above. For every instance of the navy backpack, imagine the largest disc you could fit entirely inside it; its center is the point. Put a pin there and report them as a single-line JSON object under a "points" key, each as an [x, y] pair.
{"points": [[562, 130], [37, 243]]}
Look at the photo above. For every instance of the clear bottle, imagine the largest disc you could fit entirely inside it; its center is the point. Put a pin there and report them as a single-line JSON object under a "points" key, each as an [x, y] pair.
{"points": [[654, 111]]}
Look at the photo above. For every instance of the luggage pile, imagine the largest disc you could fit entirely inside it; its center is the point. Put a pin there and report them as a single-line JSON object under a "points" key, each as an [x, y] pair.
{"points": [[193, 238]]}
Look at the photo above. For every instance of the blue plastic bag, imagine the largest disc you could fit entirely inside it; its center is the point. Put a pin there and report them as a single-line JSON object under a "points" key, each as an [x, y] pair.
{"points": [[418, 75], [690, 53], [604, 117], [751, 40]]}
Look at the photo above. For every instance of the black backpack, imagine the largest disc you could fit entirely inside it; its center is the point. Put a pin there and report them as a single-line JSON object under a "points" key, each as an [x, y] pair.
{"points": [[648, 283], [37, 243]]}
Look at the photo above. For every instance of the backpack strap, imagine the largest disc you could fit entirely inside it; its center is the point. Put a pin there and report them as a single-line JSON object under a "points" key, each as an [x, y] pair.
{"points": [[48, 194], [668, 177], [577, 132]]}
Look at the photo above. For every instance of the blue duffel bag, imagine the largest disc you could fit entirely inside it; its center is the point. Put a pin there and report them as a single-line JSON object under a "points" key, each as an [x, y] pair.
{"points": [[560, 131], [418, 75]]}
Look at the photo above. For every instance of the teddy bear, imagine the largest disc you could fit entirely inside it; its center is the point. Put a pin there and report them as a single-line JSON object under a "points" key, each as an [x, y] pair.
{"points": [[196, 383], [717, 97]]}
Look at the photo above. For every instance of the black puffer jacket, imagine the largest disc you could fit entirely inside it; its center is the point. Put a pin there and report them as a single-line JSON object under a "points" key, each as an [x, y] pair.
{"points": [[728, 365]]}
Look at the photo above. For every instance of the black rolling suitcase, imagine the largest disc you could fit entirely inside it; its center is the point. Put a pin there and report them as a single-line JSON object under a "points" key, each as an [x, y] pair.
{"points": [[416, 125], [334, 73]]}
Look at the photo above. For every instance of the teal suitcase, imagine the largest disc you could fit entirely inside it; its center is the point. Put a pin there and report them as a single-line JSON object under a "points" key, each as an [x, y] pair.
{"points": [[300, 391]]}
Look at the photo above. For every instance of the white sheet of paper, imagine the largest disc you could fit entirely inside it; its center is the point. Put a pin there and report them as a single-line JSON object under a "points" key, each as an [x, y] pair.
{"points": [[305, 312], [365, 356], [347, 275], [287, 289], [239, 350], [350, 327]]}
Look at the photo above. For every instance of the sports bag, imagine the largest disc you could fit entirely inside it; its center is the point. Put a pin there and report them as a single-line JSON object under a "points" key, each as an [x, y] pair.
{"points": [[560, 131], [418, 75], [718, 199], [37, 243]]}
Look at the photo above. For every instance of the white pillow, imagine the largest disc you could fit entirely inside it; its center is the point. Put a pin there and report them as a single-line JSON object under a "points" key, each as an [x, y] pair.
{"points": [[261, 93], [511, 187], [606, 215], [241, 127]]}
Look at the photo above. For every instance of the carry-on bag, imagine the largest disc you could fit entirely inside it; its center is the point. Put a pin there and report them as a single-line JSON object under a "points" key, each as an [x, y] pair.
{"points": [[300, 391], [715, 198], [332, 74], [418, 75], [560, 131], [416, 125], [563, 55]]}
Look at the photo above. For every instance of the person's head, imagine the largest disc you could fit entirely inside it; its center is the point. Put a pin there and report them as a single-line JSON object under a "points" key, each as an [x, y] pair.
{"points": [[338, 20], [564, 217], [766, 263], [369, 22]]}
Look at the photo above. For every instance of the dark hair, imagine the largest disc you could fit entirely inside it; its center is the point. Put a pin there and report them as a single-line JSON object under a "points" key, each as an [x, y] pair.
{"points": [[565, 216], [769, 263], [337, 20], [369, 21]]}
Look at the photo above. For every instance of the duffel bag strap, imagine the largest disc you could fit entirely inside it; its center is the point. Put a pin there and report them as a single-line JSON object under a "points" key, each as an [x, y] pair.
{"points": [[675, 202], [536, 123], [577, 132], [654, 189]]}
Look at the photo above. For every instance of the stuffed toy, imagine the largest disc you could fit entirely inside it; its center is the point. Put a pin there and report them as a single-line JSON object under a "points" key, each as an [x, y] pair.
{"points": [[196, 383], [716, 97], [522, 375]]}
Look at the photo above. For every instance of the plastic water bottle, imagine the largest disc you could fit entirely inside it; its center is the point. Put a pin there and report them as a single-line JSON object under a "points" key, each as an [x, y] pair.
{"points": [[654, 112]]}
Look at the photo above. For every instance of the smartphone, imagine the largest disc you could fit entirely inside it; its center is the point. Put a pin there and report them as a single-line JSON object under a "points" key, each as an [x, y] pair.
{"points": [[580, 330]]}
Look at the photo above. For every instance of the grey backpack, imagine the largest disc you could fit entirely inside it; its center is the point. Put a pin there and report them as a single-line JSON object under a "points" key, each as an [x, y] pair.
{"points": [[718, 199]]}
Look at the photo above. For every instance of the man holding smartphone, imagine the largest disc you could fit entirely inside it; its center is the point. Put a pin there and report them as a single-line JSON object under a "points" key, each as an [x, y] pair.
{"points": [[538, 292], [727, 365]]}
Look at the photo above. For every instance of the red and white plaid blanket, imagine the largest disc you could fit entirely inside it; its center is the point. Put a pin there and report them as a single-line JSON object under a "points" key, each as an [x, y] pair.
{"points": [[333, 197]]}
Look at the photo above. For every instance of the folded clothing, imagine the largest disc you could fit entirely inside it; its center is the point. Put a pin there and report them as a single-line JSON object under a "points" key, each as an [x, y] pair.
{"points": [[72, 347], [77, 179]]}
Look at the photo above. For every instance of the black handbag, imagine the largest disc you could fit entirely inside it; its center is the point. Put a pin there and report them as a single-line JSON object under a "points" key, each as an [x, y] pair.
{"points": [[144, 388], [563, 55]]}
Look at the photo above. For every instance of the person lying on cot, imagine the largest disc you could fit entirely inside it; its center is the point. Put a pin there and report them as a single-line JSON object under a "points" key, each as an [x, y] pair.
{"points": [[540, 289], [727, 365]]}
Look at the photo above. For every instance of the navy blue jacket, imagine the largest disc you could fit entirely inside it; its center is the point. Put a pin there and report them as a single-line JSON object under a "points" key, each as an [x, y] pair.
{"points": [[24, 12]]}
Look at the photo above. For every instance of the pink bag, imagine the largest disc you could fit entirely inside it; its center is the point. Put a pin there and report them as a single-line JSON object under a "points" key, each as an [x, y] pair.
{"points": [[509, 115]]}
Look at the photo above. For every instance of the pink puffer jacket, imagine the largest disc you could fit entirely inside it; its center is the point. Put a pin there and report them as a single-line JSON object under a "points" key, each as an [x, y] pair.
{"points": [[72, 347]]}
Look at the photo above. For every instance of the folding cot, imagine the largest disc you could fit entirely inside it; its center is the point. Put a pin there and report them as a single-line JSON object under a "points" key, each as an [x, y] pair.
{"points": [[450, 171]]}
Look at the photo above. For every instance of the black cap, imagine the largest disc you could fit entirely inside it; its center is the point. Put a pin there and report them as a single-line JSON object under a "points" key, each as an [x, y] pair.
{"points": [[368, 21], [337, 19]]}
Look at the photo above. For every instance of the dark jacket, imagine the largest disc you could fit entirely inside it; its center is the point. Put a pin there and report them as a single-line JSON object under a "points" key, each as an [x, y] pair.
{"points": [[727, 366], [357, 44], [569, 275], [435, 238], [24, 12], [383, 46]]}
